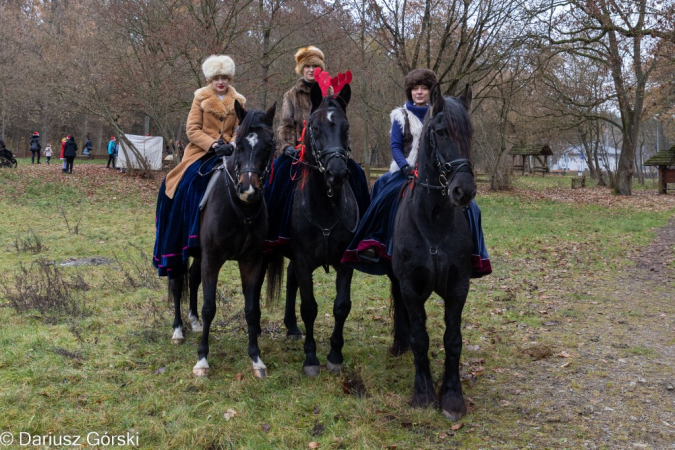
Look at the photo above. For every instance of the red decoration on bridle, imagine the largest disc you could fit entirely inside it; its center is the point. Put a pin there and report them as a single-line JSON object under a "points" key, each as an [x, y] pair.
{"points": [[331, 85], [301, 145]]}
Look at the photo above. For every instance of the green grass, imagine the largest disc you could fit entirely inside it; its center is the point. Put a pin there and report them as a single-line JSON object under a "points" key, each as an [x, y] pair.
{"points": [[97, 373], [537, 182]]}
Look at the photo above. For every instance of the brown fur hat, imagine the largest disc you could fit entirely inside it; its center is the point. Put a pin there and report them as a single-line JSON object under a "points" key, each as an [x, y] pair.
{"points": [[416, 77], [308, 56]]}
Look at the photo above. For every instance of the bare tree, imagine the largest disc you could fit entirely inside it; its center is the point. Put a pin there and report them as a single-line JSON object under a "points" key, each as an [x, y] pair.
{"points": [[622, 35]]}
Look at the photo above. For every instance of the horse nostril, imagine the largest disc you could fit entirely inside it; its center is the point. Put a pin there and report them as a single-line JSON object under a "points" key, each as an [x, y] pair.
{"points": [[457, 193]]}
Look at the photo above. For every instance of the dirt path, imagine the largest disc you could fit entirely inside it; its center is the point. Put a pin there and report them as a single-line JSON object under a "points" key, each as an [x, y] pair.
{"points": [[610, 380]]}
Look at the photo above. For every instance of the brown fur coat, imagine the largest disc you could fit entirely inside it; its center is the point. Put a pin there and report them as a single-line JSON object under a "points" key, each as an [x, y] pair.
{"points": [[296, 108], [210, 119]]}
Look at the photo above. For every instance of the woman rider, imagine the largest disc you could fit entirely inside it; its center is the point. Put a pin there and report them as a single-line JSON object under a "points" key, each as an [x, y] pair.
{"points": [[295, 111], [210, 127], [373, 240]]}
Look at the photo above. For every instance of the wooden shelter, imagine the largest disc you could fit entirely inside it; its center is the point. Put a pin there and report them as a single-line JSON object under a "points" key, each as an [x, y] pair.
{"points": [[539, 154], [665, 161]]}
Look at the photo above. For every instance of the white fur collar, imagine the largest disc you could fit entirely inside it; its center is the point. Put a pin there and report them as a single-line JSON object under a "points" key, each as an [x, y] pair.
{"points": [[415, 129]]}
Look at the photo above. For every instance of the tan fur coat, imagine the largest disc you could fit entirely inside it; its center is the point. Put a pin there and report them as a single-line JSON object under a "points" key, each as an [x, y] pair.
{"points": [[296, 108], [210, 119]]}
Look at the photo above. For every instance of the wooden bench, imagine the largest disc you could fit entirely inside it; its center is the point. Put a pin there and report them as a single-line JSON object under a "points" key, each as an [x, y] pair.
{"points": [[482, 177], [579, 182]]}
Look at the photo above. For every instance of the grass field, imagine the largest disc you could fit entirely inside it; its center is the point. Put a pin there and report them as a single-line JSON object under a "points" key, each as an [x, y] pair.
{"points": [[108, 366]]}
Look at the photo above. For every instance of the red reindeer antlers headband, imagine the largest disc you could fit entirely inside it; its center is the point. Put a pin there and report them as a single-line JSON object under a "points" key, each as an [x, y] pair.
{"points": [[331, 86]]}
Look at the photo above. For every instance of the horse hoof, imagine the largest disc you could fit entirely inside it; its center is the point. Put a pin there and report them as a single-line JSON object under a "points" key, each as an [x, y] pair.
{"points": [[197, 328], [311, 371], [200, 372], [260, 374], [335, 369], [452, 416], [177, 341]]}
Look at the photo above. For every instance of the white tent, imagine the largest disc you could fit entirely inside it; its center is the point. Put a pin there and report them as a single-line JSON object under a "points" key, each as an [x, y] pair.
{"points": [[150, 148]]}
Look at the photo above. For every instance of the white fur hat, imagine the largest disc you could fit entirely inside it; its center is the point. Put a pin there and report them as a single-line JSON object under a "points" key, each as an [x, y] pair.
{"points": [[218, 65]]}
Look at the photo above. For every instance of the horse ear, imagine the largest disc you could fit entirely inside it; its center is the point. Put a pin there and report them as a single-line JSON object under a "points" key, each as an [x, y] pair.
{"points": [[241, 112], [436, 99], [466, 96], [269, 114], [344, 95], [315, 95]]}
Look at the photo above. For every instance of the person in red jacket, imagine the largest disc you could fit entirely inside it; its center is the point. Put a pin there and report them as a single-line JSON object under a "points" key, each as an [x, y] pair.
{"points": [[63, 158]]}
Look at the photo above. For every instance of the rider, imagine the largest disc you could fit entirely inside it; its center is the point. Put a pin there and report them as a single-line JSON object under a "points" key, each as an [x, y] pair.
{"points": [[373, 239], [35, 147], [295, 111], [210, 127]]}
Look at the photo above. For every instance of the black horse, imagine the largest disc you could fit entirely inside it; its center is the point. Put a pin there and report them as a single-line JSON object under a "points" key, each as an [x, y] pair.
{"points": [[324, 217], [432, 251], [233, 225]]}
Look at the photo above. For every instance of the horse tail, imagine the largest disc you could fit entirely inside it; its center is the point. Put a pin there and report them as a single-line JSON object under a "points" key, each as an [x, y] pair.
{"points": [[275, 273], [185, 289]]}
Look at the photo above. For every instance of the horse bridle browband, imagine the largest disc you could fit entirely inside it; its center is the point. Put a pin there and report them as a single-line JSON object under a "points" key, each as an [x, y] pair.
{"points": [[252, 169], [330, 152], [447, 169]]}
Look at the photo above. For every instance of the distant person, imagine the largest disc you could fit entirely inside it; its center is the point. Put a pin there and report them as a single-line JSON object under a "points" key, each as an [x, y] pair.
{"points": [[170, 148], [48, 152], [70, 153], [87, 148], [35, 147], [180, 148], [111, 153], [63, 158]]}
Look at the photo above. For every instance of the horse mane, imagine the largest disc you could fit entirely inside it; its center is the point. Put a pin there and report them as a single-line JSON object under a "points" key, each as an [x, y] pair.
{"points": [[458, 122], [253, 118]]}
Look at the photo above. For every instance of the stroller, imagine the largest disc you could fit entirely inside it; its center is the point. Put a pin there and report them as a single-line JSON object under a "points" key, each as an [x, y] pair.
{"points": [[7, 159]]}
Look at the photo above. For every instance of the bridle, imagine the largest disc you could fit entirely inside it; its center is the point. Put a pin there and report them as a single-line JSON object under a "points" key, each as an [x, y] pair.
{"points": [[252, 169], [322, 157], [446, 169]]}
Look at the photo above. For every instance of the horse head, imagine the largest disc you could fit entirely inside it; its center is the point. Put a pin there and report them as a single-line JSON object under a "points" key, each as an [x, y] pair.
{"points": [[255, 148], [447, 140], [328, 134]]}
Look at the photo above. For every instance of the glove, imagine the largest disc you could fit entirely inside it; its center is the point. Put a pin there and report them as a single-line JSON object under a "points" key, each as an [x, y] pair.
{"points": [[223, 149], [408, 171], [291, 151]]}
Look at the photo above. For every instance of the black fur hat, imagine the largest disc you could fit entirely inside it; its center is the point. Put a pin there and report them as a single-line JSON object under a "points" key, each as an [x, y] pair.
{"points": [[416, 77]]}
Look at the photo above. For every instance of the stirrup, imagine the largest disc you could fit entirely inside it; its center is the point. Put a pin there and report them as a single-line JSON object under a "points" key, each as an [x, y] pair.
{"points": [[369, 255]]}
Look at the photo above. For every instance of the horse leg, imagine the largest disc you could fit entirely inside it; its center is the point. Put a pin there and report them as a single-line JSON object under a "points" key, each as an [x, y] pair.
{"points": [[414, 293], [210, 269], [308, 311], [176, 287], [290, 320], [251, 273], [341, 308], [195, 281], [401, 342], [452, 401]]}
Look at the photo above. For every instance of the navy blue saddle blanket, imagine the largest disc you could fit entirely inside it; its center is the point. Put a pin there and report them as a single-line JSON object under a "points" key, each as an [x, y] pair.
{"points": [[177, 219]]}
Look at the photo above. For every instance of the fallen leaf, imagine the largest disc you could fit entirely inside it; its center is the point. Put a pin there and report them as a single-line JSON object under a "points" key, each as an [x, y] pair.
{"points": [[314, 445], [563, 355], [406, 425], [473, 348], [238, 376], [230, 413], [265, 427], [457, 426], [160, 370]]}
